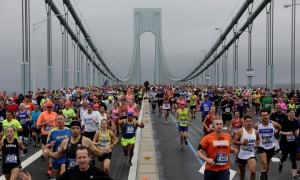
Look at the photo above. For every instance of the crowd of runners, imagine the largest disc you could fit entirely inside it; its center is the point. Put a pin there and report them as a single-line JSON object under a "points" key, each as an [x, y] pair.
{"points": [[76, 126]]}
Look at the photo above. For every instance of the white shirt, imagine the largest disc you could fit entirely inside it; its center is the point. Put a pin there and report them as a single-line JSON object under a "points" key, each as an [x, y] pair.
{"points": [[87, 120]]}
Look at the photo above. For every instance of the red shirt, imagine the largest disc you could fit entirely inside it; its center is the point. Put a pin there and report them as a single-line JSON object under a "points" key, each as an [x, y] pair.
{"points": [[13, 107]]}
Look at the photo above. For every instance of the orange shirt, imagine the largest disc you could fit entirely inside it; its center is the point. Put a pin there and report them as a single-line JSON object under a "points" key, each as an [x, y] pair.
{"points": [[217, 148], [29, 106], [45, 116]]}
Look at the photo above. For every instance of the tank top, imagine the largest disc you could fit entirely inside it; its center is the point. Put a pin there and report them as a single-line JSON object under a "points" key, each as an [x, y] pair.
{"points": [[128, 130], [10, 153], [71, 153], [209, 123], [105, 139], [131, 109], [247, 151], [166, 104], [236, 126], [114, 114], [22, 117], [183, 117], [123, 111], [266, 135]]}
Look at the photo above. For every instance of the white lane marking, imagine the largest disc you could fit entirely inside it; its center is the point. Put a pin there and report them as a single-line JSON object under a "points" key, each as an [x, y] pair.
{"points": [[232, 172], [28, 161], [275, 159]]}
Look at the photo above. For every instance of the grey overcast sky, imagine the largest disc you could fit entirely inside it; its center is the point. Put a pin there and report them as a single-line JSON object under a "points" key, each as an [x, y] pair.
{"points": [[187, 27]]}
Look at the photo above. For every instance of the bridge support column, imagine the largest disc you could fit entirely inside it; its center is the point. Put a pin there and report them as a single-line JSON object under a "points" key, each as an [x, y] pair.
{"points": [[67, 76], [50, 77]]}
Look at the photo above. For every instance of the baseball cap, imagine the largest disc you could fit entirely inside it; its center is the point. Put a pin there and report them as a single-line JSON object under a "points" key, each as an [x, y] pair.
{"points": [[130, 113], [75, 123], [49, 104], [10, 99]]}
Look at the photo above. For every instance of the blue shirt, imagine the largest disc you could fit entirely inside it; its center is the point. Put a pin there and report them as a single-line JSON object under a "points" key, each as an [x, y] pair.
{"points": [[35, 115], [210, 96], [205, 107], [58, 136]]}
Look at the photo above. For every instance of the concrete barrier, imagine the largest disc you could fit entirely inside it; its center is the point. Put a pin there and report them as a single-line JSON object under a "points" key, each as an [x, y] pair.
{"points": [[145, 167]]}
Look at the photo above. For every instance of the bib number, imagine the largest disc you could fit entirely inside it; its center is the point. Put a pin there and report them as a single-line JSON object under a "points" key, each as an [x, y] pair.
{"points": [[166, 106], [10, 158], [88, 121], [103, 143], [266, 139], [221, 159], [48, 128], [123, 113], [71, 163], [248, 147], [290, 138], [67, 119], [227, 109], [130, 130], [22, 121]]}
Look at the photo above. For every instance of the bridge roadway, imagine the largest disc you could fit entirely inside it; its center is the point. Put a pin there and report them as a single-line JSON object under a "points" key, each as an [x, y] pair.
{"points": [[38, 167], [174, 164]]}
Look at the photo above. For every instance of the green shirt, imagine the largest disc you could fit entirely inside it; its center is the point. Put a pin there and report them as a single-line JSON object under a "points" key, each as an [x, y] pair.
{"points": [[68, 113], [183, 116], [267, 104], [14, 123]]}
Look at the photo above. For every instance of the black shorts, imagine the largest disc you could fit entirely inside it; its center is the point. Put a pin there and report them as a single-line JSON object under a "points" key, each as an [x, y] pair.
{"points": [[244, 161], [44, 139], [7, 170], [89, 135], [38, 131], [270, 152], [105, 156], [160, 103], [192, 107], [140, 99], [226, 117], [166, 109], [257, 104]]}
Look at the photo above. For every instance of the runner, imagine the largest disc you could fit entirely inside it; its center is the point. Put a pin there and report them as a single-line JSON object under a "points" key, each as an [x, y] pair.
{"points": [[115, 117], [68, 113], [193, 100], [257, 98], [267, 103], [266, 129], [153, 99], [55, 137], [166, 107], [24, 118], [68, 146], [184, 117], [128, 134], [215, 152], [159, 97], [290, 130], [36, 132], [46, 121], [205, 107], [226, 106], [247, 139], [208, 121], [102, 139], [11, 164]]}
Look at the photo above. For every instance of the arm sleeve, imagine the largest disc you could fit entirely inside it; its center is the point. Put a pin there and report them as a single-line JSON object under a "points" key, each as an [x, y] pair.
{"points": [[18, 125], [203, 144]]}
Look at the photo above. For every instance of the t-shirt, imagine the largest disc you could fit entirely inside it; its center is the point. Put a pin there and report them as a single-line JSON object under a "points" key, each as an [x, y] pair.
{"points": [[92, 173], [87, 121], [267, 103], [46, 116], [66, 113], [217, 148], [14, 123], [288, 126]]}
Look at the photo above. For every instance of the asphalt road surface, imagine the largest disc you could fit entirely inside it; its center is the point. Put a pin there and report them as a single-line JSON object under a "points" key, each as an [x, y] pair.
{"points": [[174, 164], [38, 167]]}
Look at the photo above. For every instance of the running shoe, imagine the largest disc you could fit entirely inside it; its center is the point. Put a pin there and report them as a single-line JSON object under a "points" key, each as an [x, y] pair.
{"points": [[186, 142], [38, 145], [42, 156], [294, 178], [279, 168], [166, 122], [34, 144], [24, 142], [298, 173], [129, 163], [182, 148], [49, 173]]}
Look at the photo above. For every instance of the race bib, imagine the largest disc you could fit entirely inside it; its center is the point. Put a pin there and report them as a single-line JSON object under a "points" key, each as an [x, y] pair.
{"points": [[246, 102], [266, 139], [88, 121], [267, 105], [48, 128], [211, 126], [123, 113], [176, 98], [130, 129], [166, 106], [206, 108], [236, 130], [248, 147], [172, 99], [67, 119], [159, 99], [290, 138], [183, 122], [1, 118], [297, 106], [103, 143], [221, 159], [115, 116], [227, 109], [71, 163], [22, 121], [10, 158]]}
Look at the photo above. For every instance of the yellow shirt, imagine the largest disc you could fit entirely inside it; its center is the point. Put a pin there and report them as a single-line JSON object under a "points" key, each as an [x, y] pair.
{"points": [[256, 98]]}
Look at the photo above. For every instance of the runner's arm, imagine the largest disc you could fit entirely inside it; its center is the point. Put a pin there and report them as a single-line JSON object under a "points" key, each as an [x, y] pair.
{"points": [[115, 139], [95, 139], [237, 138], [277, 127], [139, 124], [58, 154], [204, 122]]}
